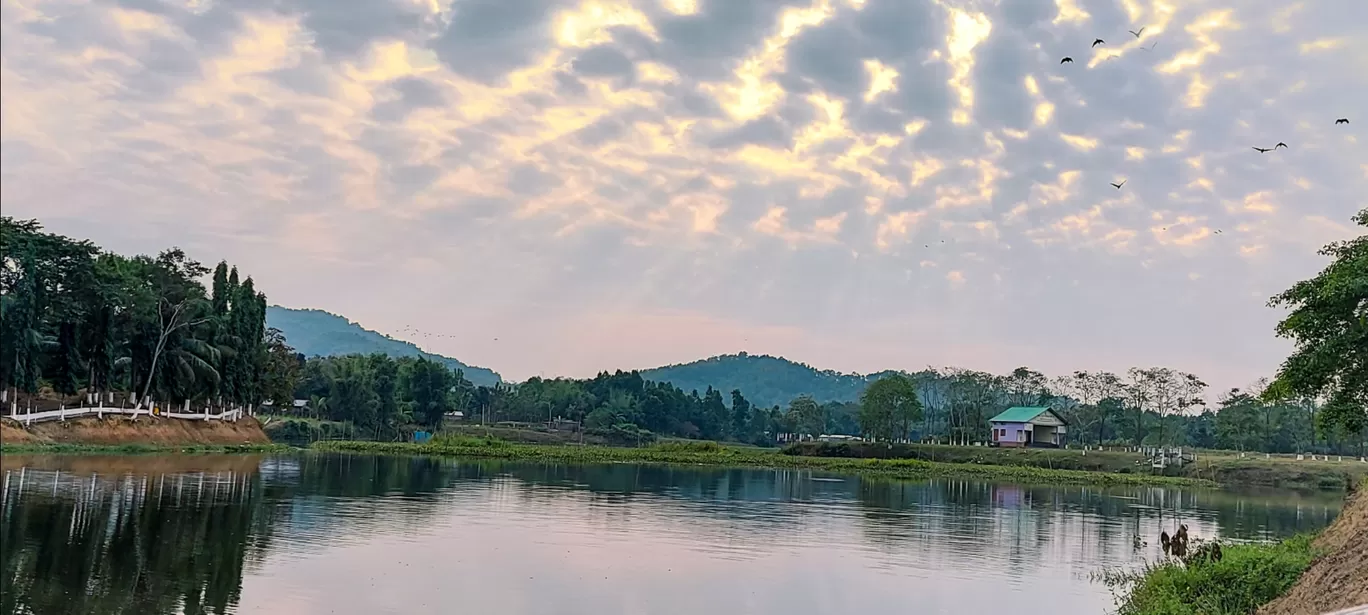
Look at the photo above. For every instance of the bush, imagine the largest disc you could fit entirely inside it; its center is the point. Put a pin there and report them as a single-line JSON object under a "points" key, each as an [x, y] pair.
{"points": [[623, 434], [460, 440], [690, 446], [1247, 577]]}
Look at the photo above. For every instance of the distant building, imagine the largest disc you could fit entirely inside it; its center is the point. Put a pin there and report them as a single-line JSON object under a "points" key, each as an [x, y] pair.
{"points": [[1029, 426], [838, 438]]}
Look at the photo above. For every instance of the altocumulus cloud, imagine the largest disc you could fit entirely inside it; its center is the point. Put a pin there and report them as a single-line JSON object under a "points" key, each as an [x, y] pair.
{"points": [[859, 184]]}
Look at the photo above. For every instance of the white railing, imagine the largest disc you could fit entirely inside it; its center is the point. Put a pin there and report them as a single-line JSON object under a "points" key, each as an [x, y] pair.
{"points": [[62, 414]]}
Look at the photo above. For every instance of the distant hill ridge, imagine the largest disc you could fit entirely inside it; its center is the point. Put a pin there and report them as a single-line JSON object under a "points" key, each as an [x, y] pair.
{"points": [[765, 380], [319, 333]]}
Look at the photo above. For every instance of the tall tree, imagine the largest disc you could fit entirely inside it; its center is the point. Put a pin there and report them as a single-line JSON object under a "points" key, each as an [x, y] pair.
{"points": [[1329, 324], [807, 416], [741, 415], [889, 408]]}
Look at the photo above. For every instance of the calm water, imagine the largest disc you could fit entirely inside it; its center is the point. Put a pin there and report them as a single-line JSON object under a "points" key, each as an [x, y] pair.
{"points": [[349, 534]]}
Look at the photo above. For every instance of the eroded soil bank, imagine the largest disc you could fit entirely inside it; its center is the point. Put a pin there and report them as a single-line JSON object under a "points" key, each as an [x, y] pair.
{"points": [[1338, 579], [144, 430]]}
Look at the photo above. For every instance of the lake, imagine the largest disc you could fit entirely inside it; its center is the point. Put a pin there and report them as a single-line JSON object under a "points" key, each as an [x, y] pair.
{"points": [[312, 534]]}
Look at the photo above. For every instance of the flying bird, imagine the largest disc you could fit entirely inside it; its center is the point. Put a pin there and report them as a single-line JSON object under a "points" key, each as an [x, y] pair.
{"points": [[1151, 47], [1098, 42], [1263, 149], [1066, 59], [1136, 33], [1343, 120], [1280, 144], [1118, 186]]}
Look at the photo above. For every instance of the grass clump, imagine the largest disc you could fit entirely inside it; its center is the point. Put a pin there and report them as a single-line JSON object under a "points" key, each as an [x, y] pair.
{"points": [[457, 440], [690, 446], [1247, 577]]}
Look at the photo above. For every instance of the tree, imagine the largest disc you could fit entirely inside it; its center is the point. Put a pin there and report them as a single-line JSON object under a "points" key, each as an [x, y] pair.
{"points": [[282, 369], [807, 416], [1328, 323], [171, 318], [889, 407], [741, 415], [1027, 387]]}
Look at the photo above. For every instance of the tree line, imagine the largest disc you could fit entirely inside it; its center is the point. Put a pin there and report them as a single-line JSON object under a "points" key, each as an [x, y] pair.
{"points": [[77, 319]]}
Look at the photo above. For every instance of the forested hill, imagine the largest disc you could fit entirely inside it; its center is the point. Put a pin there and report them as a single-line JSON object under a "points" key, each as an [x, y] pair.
{"points": [[319, 333], [765, 380]]}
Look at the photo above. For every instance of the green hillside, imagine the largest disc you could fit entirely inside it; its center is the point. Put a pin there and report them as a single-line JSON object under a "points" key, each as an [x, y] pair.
{"points": [[319, 333], [765, 380]]}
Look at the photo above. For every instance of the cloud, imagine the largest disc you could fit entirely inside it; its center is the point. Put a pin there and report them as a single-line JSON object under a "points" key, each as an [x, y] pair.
{"points": [[840, 181]]}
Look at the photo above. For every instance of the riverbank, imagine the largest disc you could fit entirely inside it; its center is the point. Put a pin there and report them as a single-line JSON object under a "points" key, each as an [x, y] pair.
{"points": [[1338, 577], [1297, 576], [713, 454], [1225, 468], [123, 432]]}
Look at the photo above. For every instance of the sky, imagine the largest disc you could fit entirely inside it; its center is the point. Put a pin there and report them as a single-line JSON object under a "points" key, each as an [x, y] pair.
{"points": [[557, 187]]}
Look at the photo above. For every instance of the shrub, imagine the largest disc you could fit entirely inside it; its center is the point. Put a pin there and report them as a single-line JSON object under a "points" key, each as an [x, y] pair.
{"points": [[690, 446], [1247, 577]]}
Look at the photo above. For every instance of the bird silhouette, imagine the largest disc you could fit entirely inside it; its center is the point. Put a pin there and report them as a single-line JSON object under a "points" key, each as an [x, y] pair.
{"points": [[1280, 144], [1098, 42], [1151, 47], [1263, 149], [1343, 120], [1136, 33], [1118, 186], [1066, 59]]}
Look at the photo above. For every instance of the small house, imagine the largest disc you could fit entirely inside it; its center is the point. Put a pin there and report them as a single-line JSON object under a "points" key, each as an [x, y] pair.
{"points": [[1021, 426]]}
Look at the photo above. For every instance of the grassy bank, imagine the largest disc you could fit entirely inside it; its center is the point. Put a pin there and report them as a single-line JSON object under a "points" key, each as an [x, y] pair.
{"points": [[1325, 570], [1222, 467], [1247, 577], [52, 448], [712, 454]]}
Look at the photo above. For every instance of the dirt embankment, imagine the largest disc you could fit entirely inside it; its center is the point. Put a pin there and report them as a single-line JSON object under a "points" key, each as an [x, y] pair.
{"points": [[121, 430], [1339, 578]]}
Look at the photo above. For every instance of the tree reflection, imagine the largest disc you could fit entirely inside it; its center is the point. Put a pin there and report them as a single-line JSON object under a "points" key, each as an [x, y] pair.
{"points": [[134, 545]]}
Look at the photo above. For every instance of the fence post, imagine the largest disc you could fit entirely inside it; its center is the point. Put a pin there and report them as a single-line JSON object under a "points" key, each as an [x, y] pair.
{"points": [[61, 412]]}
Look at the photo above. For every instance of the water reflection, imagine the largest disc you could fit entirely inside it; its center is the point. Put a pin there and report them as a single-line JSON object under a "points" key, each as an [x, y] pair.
{"points": [[358, 534]]}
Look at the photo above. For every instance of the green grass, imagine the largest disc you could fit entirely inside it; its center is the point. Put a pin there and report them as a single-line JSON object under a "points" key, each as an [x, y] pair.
{"points": [[1248, 577], [137, 449], [1222, 467], [713, 454]]}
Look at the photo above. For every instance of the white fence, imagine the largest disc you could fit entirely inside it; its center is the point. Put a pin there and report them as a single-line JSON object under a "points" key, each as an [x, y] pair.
{"points": [[63, 413]]}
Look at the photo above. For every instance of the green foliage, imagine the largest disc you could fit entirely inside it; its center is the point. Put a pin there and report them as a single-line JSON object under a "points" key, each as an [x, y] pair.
{"points": [[1329, 324], [320, 333], [807, 416], [466, 441], [690, 446], [81, 320], [889, 408], [1247, 577]]}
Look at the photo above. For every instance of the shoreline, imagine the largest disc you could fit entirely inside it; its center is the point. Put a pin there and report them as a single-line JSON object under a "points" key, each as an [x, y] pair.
{"points": [[1308, 574], [725, 457]]}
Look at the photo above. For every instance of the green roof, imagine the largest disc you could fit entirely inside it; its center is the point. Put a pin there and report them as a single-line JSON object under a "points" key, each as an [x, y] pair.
{"points": [[1019, 414]]}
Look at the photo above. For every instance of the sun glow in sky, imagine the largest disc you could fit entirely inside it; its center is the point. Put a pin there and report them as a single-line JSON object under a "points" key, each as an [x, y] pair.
{"points": [[861, 186]]}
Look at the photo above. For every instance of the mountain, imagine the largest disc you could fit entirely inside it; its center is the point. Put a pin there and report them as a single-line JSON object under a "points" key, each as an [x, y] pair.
{"points": [[319, 333], [765, 380]]}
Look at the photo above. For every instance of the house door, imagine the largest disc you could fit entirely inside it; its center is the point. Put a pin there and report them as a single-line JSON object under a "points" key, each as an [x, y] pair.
{"points": [[1030, 433]]}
